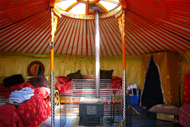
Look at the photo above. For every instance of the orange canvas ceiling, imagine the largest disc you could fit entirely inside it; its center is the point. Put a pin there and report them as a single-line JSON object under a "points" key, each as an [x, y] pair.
{"points": [[151, 26]]}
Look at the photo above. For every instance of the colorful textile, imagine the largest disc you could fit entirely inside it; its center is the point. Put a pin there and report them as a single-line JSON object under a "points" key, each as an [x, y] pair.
{"points": [[5, 101]]}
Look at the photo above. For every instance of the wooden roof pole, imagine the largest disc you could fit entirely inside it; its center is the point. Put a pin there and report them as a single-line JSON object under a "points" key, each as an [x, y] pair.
{"points": [[124, 62], [121, 22]]}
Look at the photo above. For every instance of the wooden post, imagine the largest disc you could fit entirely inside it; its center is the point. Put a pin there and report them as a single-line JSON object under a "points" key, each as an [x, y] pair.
{"points": [[121, 22]]}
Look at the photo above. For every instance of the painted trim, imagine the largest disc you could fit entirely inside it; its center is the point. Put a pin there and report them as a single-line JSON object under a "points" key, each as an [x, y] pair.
{"points": [[65, 59], [83, 16]]}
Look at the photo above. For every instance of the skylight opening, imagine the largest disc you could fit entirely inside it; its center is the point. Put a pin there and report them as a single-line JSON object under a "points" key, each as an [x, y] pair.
{"points": [[116, 0], [119, 8], [79, 9], [109, 5], [65, 4]]}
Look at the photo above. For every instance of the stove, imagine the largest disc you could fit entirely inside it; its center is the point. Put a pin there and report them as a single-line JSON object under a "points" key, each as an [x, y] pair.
{"points": [[91, 110]]}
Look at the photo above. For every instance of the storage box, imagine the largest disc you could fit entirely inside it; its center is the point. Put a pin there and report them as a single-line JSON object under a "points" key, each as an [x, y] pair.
{"points": [[166, 117], [132, 99], [135, 99]]}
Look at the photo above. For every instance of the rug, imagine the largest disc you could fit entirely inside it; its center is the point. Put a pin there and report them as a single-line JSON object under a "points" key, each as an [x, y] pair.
{"points": [[74, 111], [131, 111], [75, 123]]}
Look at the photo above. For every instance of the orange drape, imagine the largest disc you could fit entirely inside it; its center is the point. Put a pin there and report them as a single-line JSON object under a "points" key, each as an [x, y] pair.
{"points": [[168, 67]]}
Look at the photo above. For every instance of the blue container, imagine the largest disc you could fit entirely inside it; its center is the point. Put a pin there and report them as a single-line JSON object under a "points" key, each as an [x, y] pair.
{"points": [[135, 99]]}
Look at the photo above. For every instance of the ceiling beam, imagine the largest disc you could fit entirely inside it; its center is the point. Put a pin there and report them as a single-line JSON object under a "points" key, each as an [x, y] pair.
{"points": [[52, 2], [123, 4]]}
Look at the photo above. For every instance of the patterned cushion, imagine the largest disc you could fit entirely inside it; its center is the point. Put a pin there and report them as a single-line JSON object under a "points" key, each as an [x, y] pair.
{"points": [[106, 74], [39, 81], [165, 109], [76, 75]]}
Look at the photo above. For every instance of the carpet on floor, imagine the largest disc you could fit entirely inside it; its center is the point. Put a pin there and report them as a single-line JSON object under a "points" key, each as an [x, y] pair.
{"points": [[74, 111], [75, 123], [131, 111]]}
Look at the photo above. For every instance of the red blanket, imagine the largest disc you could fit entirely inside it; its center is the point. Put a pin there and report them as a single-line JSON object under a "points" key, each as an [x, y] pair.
{"points": [[9, 116], [30, 113]]}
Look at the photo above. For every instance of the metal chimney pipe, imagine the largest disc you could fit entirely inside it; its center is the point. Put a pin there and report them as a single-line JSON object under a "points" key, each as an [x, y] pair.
{"points": [[97, 54]]}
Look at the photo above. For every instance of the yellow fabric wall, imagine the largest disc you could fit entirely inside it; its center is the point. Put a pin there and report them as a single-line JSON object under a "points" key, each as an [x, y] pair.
{"points": [[14, 63]]}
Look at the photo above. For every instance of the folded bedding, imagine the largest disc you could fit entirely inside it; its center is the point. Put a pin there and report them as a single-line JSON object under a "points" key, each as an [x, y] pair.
{"points": [[22, 95], [26, 90], [20, 98]]}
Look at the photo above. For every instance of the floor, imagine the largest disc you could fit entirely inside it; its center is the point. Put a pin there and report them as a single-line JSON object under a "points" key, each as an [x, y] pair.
{"points": [[145, 119]]}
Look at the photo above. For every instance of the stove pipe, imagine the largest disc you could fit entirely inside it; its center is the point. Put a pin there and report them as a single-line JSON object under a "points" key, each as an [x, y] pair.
{"points": [[97, 54]]}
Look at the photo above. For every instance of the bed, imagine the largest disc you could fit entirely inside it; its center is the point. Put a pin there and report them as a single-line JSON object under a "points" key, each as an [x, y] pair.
{"points": [[75, 85], [27, 113], [78, 81]]}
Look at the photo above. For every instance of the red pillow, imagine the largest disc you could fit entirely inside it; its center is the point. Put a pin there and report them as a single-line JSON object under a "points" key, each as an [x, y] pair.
{"points": [[44, 91], [63, 79], [116, 80], [63, 87], [115, 85]]}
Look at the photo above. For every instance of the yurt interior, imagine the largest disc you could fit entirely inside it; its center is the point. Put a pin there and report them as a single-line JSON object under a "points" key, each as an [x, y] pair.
{"points": [[109, 63]]}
